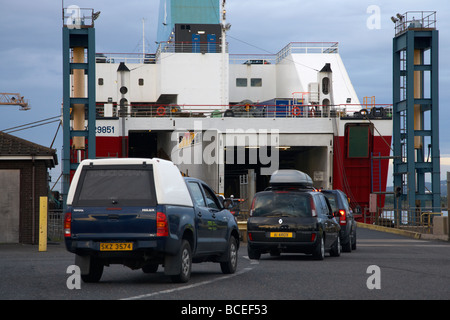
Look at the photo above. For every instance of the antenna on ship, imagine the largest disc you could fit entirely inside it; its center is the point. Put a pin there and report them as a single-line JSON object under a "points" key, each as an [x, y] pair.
{"points": [[143, 38], [225, 27]]}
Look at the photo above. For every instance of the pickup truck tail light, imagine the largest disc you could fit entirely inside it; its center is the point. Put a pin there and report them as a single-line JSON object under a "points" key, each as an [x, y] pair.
{"points": [[342, 217], [162, 226], [67, 224]]}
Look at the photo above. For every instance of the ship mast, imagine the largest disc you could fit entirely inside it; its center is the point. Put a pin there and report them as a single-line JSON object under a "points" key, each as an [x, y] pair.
{"points": [[143, 38], [225, 27]]}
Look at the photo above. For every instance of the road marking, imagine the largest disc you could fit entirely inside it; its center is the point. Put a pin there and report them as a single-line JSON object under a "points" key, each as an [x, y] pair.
{"points": [[402, 245], [391, 240], [397, 243], [148, 295], [251, 261]]}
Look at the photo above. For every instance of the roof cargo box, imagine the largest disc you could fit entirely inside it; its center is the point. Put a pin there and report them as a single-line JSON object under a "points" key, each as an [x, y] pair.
{"points": [[290, 178]]}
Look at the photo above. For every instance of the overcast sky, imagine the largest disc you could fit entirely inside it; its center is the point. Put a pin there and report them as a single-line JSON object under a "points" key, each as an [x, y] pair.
{"points": [[31, 42]]}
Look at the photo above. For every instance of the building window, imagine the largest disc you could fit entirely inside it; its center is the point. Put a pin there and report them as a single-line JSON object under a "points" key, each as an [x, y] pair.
{"points": [[141, 81], [100, 81], [256, 82], [241, 82]]}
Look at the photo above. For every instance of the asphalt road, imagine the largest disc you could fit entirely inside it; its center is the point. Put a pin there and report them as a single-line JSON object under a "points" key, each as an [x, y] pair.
{"points": [[404, 269]]}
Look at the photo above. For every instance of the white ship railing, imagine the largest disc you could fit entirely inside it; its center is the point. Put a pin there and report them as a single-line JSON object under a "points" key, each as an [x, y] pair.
{"points": [[189, 47], [246, 111], [308, 48], [291, 48], [137, 58], [215, 47]]}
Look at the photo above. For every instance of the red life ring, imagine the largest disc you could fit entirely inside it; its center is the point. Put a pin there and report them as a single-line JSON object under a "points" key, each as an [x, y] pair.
{"points": [[296, 111], [161, 111]]}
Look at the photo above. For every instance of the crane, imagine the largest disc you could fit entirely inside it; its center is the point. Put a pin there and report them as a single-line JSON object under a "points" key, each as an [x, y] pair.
{"points": [[13, 99]]}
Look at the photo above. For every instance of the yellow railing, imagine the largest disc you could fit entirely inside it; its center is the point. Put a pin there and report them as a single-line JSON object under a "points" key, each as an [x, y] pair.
{"points": [[416, 219]]}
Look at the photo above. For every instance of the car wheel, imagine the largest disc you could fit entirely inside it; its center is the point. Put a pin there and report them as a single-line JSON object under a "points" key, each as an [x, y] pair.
{"points": [[185, 260], [336, 248], [354, 241], [95, 271], [230, 265], [319, 252], [347, 246], [253, 253]]}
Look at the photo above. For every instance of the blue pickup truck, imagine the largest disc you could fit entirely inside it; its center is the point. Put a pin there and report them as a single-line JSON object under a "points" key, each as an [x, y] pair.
{"points": [[142, 213]]}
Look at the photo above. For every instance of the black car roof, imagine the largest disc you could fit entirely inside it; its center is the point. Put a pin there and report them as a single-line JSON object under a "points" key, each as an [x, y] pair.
{"points": [[309, 191]]}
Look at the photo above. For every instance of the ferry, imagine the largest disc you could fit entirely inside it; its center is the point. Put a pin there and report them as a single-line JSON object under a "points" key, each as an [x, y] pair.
{"points": [[234, 119]]}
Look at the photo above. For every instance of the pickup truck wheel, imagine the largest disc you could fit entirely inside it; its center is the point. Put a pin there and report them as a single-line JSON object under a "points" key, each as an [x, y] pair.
{"points": [[185, 259], [230, 265], [95, 271]]}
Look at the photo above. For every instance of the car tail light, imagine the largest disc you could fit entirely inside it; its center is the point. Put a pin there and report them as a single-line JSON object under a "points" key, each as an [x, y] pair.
{"points": [[342, 217], [67, 224], [313, 237], [162, 227]]}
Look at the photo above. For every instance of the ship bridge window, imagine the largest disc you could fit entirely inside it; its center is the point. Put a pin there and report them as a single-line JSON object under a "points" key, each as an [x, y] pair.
{"points": [[241, 82], [256, 82]]}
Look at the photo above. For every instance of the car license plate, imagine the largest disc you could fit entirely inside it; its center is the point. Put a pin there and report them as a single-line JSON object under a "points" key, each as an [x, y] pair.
{"points": [[281, 235], [116, 246]]}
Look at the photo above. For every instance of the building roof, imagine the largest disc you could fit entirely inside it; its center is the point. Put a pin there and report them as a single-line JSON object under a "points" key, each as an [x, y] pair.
{"points": [[14, 148]]}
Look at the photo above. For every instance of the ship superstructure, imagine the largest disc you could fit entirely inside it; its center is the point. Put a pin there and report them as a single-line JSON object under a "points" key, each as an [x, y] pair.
{"points": [[232, 120]]}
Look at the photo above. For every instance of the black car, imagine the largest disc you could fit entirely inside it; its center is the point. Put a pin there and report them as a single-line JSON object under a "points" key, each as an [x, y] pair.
{"points": [[341, 209], [292, 217]]}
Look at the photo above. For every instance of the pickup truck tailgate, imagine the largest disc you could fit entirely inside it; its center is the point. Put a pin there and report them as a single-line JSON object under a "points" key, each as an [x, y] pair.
{"points": [[129, 223]]}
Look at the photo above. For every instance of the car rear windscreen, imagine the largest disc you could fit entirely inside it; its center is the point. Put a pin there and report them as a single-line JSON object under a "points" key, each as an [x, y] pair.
{"points": [[282, 204], [332, 199], [116, 185]]}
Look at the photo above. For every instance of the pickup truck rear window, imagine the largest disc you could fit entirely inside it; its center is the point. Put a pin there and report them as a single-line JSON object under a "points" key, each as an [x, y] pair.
{"points": [[282, 204], [116, 186]]}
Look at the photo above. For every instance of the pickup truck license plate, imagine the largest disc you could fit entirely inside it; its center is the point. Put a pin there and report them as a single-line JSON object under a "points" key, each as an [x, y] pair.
{"points": [[116, 246], [281, 235]]}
